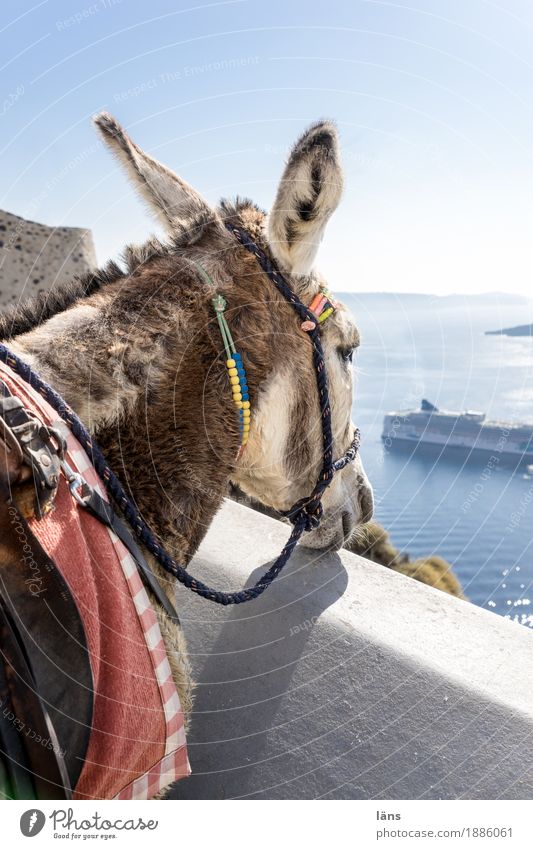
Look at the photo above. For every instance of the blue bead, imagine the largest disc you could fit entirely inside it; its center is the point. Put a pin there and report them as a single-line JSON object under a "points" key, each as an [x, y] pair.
{"points": [[245, 396], [236, 356], [240, 371]]}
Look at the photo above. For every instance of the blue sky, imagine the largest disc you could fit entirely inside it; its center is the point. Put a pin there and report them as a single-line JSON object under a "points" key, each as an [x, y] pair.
{"points": [[433, 99]]}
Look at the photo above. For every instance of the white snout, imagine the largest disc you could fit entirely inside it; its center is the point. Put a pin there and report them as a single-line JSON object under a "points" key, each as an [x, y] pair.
{"points": [[347, 503]]}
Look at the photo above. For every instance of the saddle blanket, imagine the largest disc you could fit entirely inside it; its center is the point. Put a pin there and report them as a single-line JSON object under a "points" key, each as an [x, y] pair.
{"points": [[137, 744]]}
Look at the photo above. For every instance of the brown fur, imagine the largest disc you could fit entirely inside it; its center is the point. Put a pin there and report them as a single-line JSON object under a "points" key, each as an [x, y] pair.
{"points": [[138, 354]]}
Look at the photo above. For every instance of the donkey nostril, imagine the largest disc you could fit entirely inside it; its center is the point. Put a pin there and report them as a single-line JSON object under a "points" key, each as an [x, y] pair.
{"points": [[347, 525], [366, 503]]}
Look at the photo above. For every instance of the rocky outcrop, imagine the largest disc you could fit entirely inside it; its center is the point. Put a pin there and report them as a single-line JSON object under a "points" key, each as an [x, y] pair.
{"points": [[373, 542], [34, 257], [520, 330]]}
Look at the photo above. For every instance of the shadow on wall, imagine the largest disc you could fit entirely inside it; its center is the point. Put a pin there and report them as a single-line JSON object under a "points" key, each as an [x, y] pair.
{"points": [[373, 542], [258, 669]]}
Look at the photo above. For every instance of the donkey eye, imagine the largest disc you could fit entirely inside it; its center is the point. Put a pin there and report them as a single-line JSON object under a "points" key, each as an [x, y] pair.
{"points": [[346, 354]]}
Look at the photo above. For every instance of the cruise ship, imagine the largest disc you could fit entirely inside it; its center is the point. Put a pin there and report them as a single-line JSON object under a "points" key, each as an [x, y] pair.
{"points": [[468, 433]]}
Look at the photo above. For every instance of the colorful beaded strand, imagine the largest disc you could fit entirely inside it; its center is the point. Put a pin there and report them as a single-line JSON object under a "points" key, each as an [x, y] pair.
{"points": [[236, 371], [322, 306]]}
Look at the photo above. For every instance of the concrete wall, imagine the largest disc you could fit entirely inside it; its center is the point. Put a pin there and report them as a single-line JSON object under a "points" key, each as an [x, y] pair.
{"points": [[34, 257], [346, 680]]}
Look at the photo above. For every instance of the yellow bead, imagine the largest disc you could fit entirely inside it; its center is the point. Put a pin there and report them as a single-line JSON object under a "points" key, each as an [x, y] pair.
{"points": [[238, 404], [246, 415], [246, 405], [233, 372], [234, 381], [237, 396], [230, 363], [245, 427]]}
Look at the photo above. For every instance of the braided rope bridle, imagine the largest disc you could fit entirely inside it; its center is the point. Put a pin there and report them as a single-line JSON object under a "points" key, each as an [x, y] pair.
{"points": [[305, 515]]}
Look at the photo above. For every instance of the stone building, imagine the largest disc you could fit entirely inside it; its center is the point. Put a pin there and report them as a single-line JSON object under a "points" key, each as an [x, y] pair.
{"points": [[34, 257]]}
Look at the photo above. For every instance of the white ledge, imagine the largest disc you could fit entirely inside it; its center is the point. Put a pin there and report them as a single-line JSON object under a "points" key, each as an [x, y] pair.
{"points": [[346, 680]]}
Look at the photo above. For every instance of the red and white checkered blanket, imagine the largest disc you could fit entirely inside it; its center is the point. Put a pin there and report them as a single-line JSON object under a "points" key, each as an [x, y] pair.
{"points": [[137, 744]]}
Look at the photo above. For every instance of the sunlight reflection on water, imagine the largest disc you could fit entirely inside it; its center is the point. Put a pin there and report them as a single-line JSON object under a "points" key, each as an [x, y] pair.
{"points": [[427, 503]]}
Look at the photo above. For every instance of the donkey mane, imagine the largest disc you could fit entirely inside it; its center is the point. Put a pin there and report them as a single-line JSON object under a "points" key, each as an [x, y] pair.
{"points": [[30, 313]]}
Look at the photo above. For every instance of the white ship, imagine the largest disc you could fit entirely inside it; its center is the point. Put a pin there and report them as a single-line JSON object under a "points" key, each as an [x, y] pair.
{"points": [[467, 433]]}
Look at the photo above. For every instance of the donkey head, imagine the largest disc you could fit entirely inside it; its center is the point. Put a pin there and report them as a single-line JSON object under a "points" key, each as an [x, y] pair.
{"points": [[284, 452]]}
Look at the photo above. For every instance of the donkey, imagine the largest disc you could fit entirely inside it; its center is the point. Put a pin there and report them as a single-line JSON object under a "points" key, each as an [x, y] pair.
{"points": [[136, 351]]}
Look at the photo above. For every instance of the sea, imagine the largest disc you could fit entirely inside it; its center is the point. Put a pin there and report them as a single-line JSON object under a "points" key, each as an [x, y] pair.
{"points": [[478, 515]]}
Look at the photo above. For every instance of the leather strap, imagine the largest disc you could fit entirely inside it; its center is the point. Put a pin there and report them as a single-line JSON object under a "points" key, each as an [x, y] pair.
{"points": [[48, 665], [34, 755], [29, 443], [16, 779]]}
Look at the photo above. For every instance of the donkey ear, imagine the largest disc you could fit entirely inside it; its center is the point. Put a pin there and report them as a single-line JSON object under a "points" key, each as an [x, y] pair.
{"points": [[309, 191], [170, 197]]}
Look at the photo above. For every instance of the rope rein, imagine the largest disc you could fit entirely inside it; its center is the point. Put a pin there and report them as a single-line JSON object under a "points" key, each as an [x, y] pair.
{"points": [[304, 515]]}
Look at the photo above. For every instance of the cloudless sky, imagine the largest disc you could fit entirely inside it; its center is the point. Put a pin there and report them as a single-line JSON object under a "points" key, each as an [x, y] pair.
{"points": [[433, 99]]}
